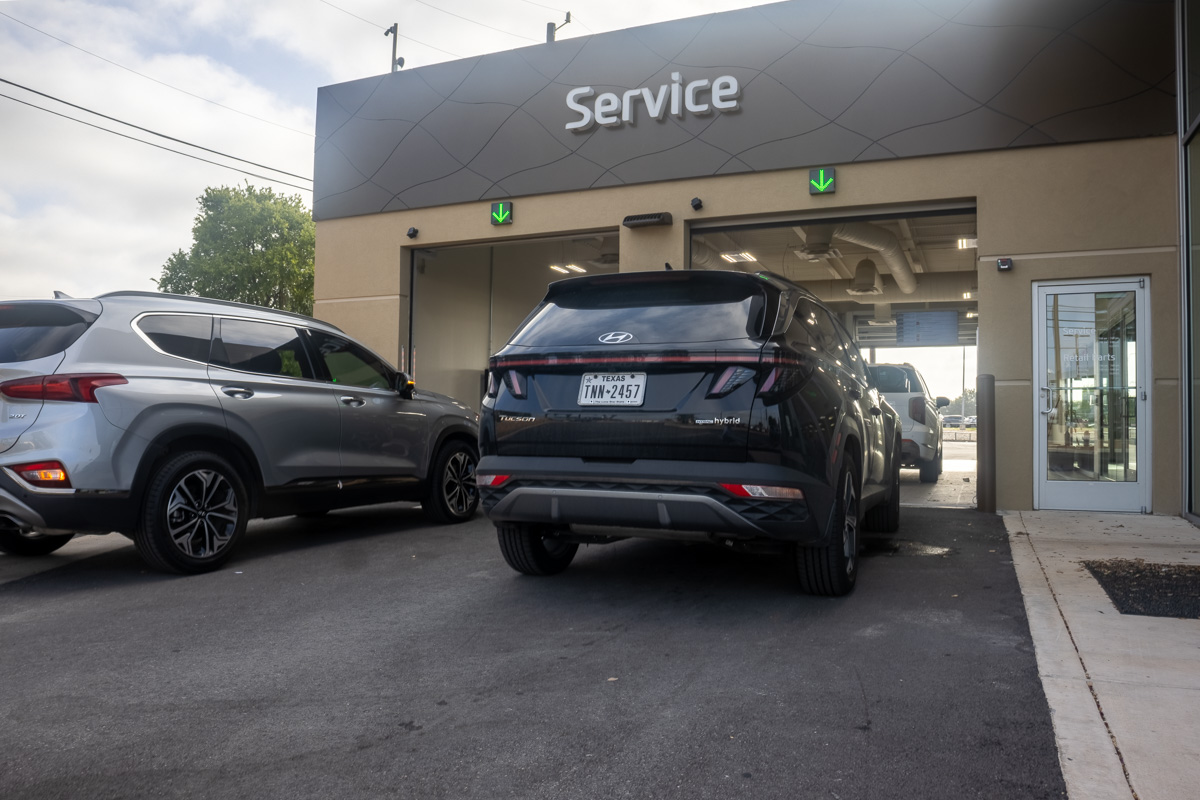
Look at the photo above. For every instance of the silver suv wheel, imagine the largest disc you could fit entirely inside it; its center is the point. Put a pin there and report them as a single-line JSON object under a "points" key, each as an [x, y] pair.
{"points": [[194, 510]]}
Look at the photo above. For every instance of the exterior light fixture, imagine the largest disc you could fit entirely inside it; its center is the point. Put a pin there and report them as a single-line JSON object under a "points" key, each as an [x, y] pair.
{"points": [[412, 233], [735, 258], [697, 204]]}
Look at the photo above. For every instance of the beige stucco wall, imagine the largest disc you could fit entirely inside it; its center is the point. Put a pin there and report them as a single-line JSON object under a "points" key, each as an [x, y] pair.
{"points": [[1099, 209]]}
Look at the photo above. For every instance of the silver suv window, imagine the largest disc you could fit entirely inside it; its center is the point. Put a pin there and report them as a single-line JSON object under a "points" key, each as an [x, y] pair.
{"points": [[350, 365], [181, 335], [263, 347], [29, 331]]}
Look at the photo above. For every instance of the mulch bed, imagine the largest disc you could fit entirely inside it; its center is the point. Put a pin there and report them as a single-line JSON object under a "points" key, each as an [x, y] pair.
{"points": [[1152, 590]]}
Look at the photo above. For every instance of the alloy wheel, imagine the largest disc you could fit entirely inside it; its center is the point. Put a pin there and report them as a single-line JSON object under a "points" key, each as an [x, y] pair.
{"points": [[850, 522], [202, 513], [458, 483]]}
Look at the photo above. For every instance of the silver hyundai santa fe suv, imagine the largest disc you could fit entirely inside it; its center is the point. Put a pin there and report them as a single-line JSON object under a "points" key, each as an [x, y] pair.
{"points": [[175, 420]]}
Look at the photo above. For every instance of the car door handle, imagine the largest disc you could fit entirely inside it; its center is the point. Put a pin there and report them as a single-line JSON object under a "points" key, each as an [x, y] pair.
{"points": [[351, 400], [877, 411], [856, 392], [240, 392]]}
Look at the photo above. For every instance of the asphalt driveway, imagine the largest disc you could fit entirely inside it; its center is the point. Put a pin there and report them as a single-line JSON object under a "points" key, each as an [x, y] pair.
{"points": [[368, 654]]}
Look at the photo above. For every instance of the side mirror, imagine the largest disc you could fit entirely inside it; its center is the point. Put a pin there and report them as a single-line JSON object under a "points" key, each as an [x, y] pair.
{"points": [[405, 386], [942, 402]]}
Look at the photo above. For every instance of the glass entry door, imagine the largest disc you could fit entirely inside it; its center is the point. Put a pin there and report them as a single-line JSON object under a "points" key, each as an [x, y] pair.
{"points": [[1092, 424]]}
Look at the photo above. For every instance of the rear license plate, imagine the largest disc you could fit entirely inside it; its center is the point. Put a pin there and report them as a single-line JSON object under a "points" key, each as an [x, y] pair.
{"points": [[612, 389]]}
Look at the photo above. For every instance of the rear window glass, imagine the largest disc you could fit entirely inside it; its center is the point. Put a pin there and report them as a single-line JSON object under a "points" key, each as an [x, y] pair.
{"points": [[183, 335], [893, 379], [654, 313], [30, 331]]}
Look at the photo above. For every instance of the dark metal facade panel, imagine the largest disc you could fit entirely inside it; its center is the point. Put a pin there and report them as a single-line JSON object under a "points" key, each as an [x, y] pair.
{"points": [[821, 82]]}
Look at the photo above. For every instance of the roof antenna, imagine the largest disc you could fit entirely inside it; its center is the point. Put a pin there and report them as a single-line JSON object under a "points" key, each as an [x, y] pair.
{"points": [[551, 28], [62, 295], [667, 264], [394, 32]]}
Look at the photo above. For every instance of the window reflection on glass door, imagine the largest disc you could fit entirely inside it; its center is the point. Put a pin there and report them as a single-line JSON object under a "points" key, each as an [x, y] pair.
{"points": [[1090, 388]]}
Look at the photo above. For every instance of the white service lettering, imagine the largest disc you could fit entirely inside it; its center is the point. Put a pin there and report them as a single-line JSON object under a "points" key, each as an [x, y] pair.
{"points": [[612, 110]]}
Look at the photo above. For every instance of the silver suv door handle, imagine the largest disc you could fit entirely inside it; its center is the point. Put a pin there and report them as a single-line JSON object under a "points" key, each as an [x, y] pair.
{"points": [[350, 400], [240, 392]]}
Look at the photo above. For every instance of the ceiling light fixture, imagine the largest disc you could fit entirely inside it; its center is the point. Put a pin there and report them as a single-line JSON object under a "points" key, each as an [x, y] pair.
{"points": [[972, 314], [557, 268], [966, 243], [575, 268], [735, 258]]}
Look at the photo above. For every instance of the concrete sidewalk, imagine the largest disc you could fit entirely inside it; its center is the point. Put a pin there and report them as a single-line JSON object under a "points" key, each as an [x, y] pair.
{"points": [[1124, 690]]}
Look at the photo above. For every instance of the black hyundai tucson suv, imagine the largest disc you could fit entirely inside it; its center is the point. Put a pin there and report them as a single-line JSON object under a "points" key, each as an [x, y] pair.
{"points": [[714, 406]]}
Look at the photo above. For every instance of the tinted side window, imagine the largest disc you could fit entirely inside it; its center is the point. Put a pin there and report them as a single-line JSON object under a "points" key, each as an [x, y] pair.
{"points": [[183, 335], [850, 355], [261, 347], [349, 364], [29, 331]]}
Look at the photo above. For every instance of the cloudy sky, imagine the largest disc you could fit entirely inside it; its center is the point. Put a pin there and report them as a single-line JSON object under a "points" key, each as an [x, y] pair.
{"points": [[86, 211]]}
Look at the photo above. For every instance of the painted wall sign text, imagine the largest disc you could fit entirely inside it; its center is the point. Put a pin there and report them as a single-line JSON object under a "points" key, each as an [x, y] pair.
{"points": [[613, 110]]}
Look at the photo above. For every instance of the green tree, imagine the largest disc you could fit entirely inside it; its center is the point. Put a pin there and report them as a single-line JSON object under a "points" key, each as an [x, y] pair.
{"points": [[249, 245], [956, 405]]}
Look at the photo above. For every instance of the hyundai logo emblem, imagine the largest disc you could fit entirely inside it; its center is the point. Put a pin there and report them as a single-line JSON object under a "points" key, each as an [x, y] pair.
{"points": [[616, 337]]}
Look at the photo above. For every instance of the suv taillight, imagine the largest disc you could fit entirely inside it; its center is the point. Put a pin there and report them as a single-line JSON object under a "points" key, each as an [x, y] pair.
{"points": [[44, 474], [916, 409], [77, 388]]}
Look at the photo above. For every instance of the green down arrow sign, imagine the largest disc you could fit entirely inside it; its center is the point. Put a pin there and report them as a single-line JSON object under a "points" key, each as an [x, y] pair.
{"points": [[502, 213], [821, 181]]}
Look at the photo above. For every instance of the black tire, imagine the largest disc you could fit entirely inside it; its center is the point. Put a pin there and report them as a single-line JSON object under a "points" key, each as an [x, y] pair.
{"points": [[930, 470], [832, 570], [194, 512], [16, 543], [452, 495], [529, 551], [885, 517]]}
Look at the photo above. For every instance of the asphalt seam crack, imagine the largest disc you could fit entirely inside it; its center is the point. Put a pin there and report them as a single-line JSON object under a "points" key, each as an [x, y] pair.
{"points": [[1087, 675]]}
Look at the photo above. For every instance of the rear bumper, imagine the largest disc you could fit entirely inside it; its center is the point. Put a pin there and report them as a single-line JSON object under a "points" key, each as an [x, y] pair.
{"points": [[69, 510], [647, 496], [914, 451]]}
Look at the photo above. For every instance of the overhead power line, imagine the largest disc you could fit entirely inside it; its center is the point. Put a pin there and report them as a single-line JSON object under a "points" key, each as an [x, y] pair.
{"points": [[155, 80], [476, 22], [159, 146], [384, 27], [151, 132]]}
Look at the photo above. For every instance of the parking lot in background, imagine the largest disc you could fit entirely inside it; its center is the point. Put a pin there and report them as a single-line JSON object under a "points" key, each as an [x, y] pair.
{"points": [[956, 488], [367, 654]]}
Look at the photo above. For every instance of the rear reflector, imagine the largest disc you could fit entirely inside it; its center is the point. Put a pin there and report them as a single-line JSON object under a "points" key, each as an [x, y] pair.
{"points": [[515, 382], [764, 492], [489, 480], [76, 388], [43, 474]]}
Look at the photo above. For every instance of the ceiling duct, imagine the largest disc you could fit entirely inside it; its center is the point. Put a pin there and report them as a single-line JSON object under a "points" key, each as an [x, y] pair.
{"points": [[888, 246], [866, 279], [883, 316], [818, 244], [706, 256]]}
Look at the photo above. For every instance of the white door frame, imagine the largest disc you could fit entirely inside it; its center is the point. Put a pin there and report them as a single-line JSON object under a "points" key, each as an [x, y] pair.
{"points": [[1087, 495]]}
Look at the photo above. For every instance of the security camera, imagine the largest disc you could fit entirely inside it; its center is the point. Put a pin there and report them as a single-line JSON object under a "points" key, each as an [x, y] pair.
{"points": [[412, 233], [697, 204]]}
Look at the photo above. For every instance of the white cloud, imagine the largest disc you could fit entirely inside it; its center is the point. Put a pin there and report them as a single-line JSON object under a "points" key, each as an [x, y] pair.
{"points": [[86, 212]]}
